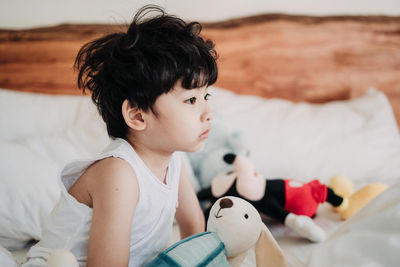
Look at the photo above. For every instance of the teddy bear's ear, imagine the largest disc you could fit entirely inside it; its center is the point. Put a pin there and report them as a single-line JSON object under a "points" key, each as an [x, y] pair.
{"points": [[268, 252]]}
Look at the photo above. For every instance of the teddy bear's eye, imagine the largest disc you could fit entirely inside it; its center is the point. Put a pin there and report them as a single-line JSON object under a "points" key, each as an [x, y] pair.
{"points": [[246, 216]]}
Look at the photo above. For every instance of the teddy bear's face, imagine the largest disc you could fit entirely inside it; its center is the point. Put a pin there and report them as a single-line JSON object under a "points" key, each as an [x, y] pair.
{"points": [[237, 223]]}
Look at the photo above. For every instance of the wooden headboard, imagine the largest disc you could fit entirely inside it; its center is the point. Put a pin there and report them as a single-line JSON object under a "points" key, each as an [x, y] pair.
{"points": [[301, 58]]}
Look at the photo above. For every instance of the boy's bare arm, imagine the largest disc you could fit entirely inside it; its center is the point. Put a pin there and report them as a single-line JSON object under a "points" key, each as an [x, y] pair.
{"points": [[188, 214], [114, 191]]}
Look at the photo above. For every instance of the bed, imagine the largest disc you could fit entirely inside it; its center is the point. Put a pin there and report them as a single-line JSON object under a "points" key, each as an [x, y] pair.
{"points": [[314, 96]]}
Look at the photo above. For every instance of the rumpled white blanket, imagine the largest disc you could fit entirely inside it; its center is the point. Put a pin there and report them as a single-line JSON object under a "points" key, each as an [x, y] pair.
{"points": [[6, 258], [371, 238]]}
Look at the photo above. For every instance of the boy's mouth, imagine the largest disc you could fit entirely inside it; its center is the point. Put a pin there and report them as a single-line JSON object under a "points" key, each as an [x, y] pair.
{"points": [[205, 134]]}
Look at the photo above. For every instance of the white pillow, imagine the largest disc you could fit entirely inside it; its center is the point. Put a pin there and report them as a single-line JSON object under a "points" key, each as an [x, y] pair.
{"points": [[358, 138], [40, 133]]}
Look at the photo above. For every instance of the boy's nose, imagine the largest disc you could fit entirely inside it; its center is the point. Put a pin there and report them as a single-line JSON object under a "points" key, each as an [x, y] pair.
{"points": [[207, 115]]}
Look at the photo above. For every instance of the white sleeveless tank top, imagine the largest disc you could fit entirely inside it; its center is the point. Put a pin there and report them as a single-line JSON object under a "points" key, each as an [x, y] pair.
{"points": [[68, 225]]}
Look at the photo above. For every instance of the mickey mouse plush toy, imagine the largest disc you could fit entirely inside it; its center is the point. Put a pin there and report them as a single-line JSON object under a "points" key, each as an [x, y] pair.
{"points": [[290, 202]]}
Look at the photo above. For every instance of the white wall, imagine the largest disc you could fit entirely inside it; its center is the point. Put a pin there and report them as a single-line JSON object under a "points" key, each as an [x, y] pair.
{"points": [[32, 13]]}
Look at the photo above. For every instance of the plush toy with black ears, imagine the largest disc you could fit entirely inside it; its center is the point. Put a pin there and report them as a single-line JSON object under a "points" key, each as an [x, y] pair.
{"points": [[290, 202]]}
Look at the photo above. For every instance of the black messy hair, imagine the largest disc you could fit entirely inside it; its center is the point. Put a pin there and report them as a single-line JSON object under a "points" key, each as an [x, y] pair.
{"points": [[141, 64]]}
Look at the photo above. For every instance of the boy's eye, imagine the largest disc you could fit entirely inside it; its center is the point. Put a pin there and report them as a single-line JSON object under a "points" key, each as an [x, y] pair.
{"points": [[191, 100], [207, 96]]}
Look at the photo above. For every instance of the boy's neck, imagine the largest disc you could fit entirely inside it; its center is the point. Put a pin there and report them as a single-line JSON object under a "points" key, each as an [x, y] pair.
{"points": [[156, 161]]}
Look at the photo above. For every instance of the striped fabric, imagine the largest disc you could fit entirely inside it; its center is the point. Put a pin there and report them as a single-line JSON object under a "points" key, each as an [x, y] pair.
{"points": [[203, 249]]}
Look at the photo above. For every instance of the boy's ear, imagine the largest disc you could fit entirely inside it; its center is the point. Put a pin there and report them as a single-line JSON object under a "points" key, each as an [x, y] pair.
{"points": [[133, 116]]}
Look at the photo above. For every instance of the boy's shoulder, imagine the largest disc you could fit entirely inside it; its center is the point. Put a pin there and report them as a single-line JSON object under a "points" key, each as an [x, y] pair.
{"points": [[108, 174], [102, 178], [110, 164]]}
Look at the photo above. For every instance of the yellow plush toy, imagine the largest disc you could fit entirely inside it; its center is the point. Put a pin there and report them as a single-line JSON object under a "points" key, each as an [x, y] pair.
{"points": [[352, 202]]}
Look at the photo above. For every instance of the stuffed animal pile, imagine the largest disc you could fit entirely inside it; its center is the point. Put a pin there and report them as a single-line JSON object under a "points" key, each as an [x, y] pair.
{"points": [[222, 168], [291, 202]]}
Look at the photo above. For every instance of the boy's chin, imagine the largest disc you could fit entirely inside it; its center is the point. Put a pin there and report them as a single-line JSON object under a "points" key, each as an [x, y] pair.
{"points": [[196, 147]]}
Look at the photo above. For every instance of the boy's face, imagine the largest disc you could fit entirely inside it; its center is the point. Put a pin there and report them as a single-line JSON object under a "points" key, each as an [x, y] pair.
{"points": [[182, 122]]}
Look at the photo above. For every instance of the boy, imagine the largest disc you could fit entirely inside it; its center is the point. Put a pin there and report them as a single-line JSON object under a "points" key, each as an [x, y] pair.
{"points": [[150, 87]]}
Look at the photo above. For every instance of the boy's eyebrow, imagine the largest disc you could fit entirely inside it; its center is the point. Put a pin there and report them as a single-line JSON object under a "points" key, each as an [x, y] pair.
{"points": [[178, 91], [181, 90]]}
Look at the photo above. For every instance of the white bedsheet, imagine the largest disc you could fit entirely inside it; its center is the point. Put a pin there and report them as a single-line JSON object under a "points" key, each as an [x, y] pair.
{"points": [[370, 238], [297, 250], [6, 258]]}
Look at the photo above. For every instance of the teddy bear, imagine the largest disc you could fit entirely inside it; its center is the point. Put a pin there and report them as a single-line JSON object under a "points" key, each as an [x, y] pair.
{"points": [[233, 227], [291, 202]]}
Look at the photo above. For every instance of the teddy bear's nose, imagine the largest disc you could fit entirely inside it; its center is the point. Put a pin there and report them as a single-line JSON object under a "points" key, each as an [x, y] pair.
{"points": [[225, 203]]}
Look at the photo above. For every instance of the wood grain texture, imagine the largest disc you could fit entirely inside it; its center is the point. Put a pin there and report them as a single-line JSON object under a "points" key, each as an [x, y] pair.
{"points": [[313, 59]]}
